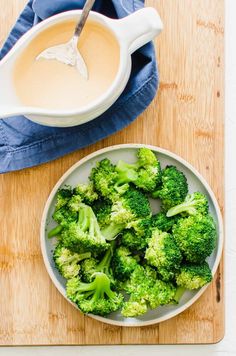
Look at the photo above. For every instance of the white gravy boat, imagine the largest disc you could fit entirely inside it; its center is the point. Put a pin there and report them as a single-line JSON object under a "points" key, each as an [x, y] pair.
{"points": [[131, 32]]}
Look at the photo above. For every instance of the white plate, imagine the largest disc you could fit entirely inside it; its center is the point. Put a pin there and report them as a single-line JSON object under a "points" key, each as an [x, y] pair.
{"points": [[79, 172]]}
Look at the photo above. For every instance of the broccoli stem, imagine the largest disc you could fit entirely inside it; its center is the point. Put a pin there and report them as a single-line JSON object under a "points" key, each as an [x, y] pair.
{"points": [[104, 265], [88, 221], [127, 172], [55, 231], [103, 286], [189, 205], [178, 294], [99, 286], [111, 231], [83, 256]]}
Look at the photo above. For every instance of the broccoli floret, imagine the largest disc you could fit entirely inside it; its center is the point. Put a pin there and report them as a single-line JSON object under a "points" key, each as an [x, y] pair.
{"points": [[66, 210], [146, 291], [67, 262], [74, 203], [104, 177], [195, 237], [133, 241], [164, 254], [86, 192], [193, 204], [192, 276], [92, 265], [142, 227], [149, 173], [105, 180], [145, 174], [88, 268], [84, 235], [63, 196], [137, 234], [134, 308], [65, 216], [161, 293], [132, 205], [102, 210], [162, 222], [112, 221], [174, 188], [140, 283], [95, 297], [123, 264], [141, 276]]}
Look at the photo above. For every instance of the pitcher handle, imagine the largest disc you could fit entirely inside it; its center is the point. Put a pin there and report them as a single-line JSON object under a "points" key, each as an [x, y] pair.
{"points": [[138, 28]]}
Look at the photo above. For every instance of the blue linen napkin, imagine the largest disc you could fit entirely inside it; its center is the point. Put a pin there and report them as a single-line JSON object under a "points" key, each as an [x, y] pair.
{"points": [[26, 144]]}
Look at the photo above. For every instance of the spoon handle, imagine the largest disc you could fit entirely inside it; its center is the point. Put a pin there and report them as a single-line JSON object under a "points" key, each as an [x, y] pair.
{"points": [[86, 9]]}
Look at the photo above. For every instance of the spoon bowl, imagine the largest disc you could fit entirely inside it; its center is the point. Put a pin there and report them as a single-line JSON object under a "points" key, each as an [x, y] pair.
{"points": [[68, 53]]}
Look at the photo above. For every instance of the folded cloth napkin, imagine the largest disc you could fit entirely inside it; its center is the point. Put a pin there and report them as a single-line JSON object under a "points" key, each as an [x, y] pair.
{"points": [[26, 144]]}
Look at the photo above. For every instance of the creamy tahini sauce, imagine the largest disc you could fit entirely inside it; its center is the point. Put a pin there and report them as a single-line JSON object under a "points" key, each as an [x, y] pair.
{"points": [[53, 85]]}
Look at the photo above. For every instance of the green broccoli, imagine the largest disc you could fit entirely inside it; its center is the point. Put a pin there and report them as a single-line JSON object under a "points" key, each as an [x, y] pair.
{"points": [[95, 297], [63, 196], [110, 243], [193, 204], [55, 231], [66, 211], [102, 210], [195, 237], [139, 287], [173, 189], [63, 217], [133, 241], [145, 174], [123, 264], [137, 234], [132, 205], [110, 232], [133, 308], [141, 227], [84, 235], [164, 254], [146, 291], [90, 266], [112, 223], [67, 262], [141, 276], [86, 192], [74, 204], [161, 293], [105, 180], [162, 222], [192, 276]]}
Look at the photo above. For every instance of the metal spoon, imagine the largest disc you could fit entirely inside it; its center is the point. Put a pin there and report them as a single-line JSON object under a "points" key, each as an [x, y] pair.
{"points": [[68, 53]]}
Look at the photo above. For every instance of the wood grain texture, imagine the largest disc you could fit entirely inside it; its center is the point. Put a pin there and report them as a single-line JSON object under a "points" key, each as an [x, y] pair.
{"points": [[186, 117]]}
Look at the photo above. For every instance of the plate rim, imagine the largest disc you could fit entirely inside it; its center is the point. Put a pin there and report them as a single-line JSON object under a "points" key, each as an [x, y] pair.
{"points": [[157, 150]]}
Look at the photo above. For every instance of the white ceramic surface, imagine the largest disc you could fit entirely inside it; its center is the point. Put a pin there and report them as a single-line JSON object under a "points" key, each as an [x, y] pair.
{"points": [[131, 32], [79, 173]]}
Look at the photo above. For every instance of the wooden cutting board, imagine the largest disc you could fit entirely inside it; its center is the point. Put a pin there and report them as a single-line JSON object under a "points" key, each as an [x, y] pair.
{"points": [[186, 117]]}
